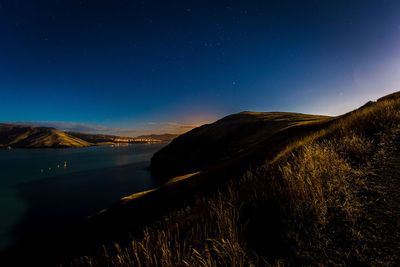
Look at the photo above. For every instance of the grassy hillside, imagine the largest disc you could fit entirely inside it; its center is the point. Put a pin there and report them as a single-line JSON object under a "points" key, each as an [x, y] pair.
{"points": [[328, 198], [36, 137], [225, 139], [324, 191]]}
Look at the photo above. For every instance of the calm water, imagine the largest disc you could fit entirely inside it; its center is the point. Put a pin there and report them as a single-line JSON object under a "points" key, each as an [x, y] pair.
{"points": [[41, 189]]}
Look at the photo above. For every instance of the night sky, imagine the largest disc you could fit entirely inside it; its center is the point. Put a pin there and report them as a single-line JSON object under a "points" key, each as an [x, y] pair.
{"points": [[170, 64]]}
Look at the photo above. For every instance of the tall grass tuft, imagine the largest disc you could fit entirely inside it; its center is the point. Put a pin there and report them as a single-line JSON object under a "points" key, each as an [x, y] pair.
{"points": [[187, 239]]}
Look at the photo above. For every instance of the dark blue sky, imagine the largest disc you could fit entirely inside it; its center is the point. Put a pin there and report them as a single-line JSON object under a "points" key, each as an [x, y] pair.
{"points": [[137, 64]]}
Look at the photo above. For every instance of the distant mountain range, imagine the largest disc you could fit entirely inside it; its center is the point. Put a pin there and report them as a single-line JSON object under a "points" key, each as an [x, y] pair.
{"points": [[25, 136]]}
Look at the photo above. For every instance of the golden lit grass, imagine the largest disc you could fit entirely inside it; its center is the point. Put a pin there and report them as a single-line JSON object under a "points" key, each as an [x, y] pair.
{"points": [[288, 119], [316, 200], [321, 185], [180, 178], [210, 240], [137, 195], [58, 138], [35, 137]]}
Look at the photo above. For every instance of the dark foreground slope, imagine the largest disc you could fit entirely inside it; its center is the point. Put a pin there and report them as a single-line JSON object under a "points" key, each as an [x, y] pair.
{"points": [[319, 193], [22, 136], [326, 194]]}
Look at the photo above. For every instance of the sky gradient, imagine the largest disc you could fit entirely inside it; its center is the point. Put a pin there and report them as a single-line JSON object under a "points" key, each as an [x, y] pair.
{"points": [[165, 65]]}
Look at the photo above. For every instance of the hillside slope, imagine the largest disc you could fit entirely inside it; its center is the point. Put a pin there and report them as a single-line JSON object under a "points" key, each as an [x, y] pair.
{"points": [[321, 194], [224, 139], [22, 136]]}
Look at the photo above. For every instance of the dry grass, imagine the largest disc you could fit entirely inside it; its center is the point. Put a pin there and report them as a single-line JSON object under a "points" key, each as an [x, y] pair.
{"points": [[321, 185], [318, 190], [184, 240]]}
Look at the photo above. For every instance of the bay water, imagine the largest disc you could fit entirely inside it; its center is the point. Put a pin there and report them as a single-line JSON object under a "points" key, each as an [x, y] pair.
{"points": [[41, 189]]}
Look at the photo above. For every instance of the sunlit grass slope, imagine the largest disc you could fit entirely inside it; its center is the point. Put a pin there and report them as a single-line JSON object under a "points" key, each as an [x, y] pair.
{"points": [[36, 137], [328, 198]]}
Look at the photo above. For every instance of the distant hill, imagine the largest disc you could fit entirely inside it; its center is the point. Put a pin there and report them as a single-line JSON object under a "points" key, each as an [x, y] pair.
{"points": [[26, 136], [226, 138], [101, 138], [22, 136], [162, 137]]}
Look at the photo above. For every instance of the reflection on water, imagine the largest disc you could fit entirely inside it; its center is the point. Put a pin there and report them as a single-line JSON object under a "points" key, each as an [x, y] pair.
{"points": [[66, 183]]}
